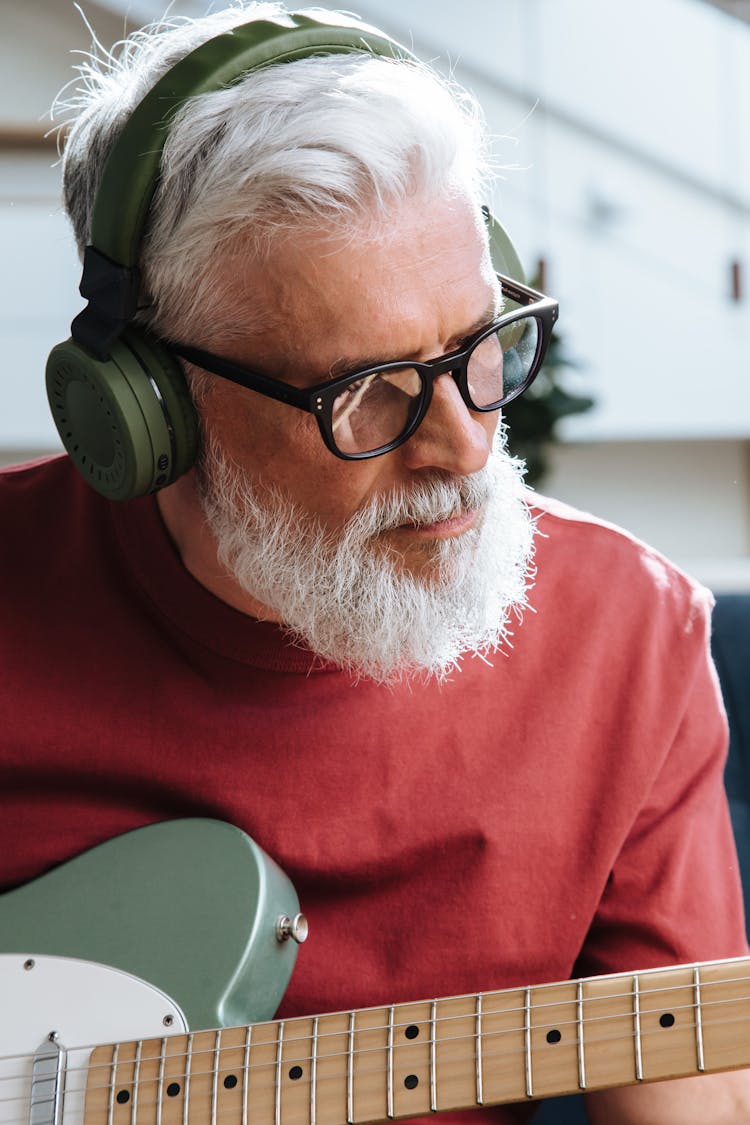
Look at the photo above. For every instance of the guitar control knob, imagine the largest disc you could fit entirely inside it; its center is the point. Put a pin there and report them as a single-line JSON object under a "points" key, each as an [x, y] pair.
{"points": [[294, 928]]}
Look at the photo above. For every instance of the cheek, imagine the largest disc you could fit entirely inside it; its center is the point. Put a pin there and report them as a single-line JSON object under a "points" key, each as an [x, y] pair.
{"points": [[257, 432], [491, 421], [277, 444]]}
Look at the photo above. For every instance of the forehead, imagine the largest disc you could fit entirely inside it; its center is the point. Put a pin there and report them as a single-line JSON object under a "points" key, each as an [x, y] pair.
{"points": [[404, 286]]}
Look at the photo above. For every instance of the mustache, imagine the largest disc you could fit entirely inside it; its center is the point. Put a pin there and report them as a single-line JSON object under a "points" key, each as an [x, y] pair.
{"points": [[422, 504]]}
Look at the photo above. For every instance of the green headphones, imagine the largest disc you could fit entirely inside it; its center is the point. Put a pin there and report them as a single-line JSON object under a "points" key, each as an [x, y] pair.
{"points": [[119, 399]]}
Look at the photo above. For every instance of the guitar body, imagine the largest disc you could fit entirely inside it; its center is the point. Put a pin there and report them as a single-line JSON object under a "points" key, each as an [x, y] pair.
{"points": [[189, 906], [113, 962]]}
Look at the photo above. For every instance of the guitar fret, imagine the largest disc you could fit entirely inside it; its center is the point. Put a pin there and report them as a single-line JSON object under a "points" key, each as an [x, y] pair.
{"points": [[314, 1071], [350, 1072], [215, 1082], [611, 1031], [478, 1048], [433, 1057], [246, 1072], [188, 1069], [389, 1087], [638, 1043], [698, 1017], [136, 1076], [279, 1050], [160, 1081], [527, 1041], [113, 1082], [579, 1024]]}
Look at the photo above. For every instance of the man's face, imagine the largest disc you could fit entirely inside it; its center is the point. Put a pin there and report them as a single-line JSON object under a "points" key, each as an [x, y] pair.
{"points": [[396, 565], [414, 289]]}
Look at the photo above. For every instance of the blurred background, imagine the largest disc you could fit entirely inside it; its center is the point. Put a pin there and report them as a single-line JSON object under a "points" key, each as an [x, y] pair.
{"points": [[625, 129]]}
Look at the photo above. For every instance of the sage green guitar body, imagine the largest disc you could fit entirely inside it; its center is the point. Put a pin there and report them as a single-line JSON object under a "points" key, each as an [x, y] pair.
{"points": [[189, 905]]}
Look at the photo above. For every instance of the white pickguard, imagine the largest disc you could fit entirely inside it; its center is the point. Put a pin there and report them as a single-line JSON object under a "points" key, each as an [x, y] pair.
{"points": [[86, 1005]]}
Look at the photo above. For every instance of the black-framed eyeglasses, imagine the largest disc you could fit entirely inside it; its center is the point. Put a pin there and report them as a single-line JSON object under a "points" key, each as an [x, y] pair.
{"points": [[372, 411]]}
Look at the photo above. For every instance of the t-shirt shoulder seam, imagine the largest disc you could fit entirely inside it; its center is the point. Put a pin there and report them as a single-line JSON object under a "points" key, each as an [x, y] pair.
{"points": [[544, 508], [29, 468]]}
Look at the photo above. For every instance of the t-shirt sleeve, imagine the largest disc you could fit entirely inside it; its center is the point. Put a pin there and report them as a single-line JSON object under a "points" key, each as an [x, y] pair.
{"points": [[674, 894]]}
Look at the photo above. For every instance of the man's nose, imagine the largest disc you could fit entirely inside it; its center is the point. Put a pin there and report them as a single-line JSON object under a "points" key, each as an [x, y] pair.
{"points": [[450, 437]]}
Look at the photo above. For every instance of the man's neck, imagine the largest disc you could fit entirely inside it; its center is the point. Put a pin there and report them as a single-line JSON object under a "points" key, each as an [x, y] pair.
{"points": [[186, 524]]}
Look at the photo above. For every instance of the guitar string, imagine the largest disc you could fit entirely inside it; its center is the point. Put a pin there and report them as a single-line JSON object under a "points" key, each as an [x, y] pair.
{"points": [[486, 1037], [589, 1021], [706, 986], [360, 1053], [259, 1087]]}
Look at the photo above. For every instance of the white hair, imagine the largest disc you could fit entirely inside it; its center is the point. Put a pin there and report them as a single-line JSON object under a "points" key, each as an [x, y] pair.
{"points": [[337, 140], [350, 602]]}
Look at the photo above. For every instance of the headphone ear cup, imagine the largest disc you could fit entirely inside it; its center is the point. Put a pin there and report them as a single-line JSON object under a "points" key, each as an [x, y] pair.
{"points": [[165, 373], [127, 422]]}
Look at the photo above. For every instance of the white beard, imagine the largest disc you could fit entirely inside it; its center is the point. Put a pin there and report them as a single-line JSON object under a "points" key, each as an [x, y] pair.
{"points": [[347, 600]]}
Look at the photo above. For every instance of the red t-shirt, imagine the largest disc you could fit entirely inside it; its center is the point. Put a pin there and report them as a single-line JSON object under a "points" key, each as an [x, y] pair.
{"points": [[556, 810]]}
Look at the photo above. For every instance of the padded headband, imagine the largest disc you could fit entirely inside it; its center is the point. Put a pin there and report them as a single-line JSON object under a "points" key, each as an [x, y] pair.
{"points": [[131, 173], [111, 280]]}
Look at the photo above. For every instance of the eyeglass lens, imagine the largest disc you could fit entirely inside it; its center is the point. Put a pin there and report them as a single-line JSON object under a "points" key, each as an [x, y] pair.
{"points": [[376, 410]]}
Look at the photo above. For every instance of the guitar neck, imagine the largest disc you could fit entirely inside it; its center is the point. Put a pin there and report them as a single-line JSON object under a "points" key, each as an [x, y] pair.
{"points": [[408, 1060]]}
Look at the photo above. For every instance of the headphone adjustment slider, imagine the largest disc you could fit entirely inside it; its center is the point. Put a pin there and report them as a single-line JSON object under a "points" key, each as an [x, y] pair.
{"points": [[112, 293]]}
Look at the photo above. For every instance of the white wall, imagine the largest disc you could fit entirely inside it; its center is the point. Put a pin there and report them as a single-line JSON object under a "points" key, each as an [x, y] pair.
{"points": [[39, 294], [633, 182], [39, 281], [689, 499]]}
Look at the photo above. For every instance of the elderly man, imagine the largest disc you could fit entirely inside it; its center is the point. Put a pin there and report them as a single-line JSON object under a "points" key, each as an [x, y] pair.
{"points": [[479, 730]]}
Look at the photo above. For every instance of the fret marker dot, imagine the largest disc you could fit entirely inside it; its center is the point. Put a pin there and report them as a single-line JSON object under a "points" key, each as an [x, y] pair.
{"points": [[666, 1020], [173, 1089], [411, 1082], [230, 1081], [412, 1031], [295, 1073], [123, 1096], [554, 1036]]}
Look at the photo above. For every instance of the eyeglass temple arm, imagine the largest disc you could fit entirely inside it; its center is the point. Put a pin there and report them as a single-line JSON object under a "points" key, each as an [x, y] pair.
{"points": [[272, 388], [517, 292]]}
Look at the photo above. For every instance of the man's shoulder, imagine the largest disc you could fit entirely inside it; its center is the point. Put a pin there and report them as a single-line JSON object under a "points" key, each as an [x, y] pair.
{"points": [[51, 481], [601, 558], [35, 478], [45, 507], [549, 511]]}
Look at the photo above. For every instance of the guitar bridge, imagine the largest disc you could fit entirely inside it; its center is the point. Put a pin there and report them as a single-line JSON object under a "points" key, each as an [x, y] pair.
{"points": [[46, 1086]]}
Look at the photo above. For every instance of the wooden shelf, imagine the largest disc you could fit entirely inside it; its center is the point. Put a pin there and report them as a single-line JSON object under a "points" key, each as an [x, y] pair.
{"points": [[14, 138]]}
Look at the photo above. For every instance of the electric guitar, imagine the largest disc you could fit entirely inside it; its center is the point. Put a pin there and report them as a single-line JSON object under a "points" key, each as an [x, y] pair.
{"points": [[97, 1014]]}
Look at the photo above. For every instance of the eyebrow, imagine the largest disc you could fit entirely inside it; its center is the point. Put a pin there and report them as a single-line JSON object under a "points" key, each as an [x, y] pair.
{"points": [[344, 366]]}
